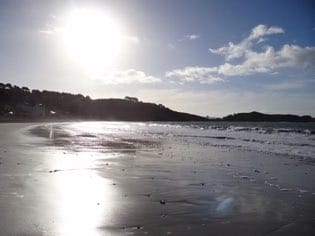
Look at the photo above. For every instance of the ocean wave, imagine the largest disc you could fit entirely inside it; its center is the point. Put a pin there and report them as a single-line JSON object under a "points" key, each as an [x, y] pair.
{"points": [[252, 127], [285, 139], [292, 139]]}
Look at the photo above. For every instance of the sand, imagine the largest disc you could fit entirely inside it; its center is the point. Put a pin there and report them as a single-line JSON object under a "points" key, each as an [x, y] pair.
{"points": [[54, 184]]}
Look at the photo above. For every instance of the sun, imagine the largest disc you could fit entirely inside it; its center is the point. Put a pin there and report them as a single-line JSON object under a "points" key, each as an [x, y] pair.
{"points": [[92, 39]]}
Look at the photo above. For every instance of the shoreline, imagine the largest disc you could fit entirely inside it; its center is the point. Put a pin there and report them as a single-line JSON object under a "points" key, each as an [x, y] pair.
{"points": [[219, 120]]}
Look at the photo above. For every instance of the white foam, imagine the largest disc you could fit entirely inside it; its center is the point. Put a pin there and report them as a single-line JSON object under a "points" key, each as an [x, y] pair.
{"points": [[295, 140]]}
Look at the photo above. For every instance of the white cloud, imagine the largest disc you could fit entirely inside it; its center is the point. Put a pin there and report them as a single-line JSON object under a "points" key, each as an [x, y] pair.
{"points": [[263, 60], [289, 56], [261, 40], [129, 76], [192, 36], [232, 51], [238, 50], [189, 37], [204, 75], [295, 56], [261, 30]]}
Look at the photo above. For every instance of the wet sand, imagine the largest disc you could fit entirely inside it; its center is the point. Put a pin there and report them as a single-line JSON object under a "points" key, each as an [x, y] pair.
{"points": [[53, 182]]}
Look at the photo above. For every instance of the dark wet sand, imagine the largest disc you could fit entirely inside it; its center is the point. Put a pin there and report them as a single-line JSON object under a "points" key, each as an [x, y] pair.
{"points": [[147, 186]]}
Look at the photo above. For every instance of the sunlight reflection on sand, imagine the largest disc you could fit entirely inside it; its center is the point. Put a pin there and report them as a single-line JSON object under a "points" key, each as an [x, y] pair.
{"points": [[84, 199], [118, 178]]}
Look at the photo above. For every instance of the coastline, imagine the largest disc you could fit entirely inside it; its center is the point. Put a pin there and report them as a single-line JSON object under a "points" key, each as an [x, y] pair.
{"points": [[147, 185]]}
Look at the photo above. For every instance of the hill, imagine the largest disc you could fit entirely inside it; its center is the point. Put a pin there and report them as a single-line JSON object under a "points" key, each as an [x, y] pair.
{"points": [[24, 104], [257, 116]]}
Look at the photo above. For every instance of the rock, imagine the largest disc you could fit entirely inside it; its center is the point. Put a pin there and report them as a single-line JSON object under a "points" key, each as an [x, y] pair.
{"points": [[285, 189], [244, 177], [163, 202]]}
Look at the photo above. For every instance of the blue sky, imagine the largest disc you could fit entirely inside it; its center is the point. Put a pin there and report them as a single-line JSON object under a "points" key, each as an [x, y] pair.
{"points": [[204, 57]]}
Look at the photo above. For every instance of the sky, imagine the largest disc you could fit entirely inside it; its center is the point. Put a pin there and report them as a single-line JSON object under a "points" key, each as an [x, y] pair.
{"points": [[204, 57]]}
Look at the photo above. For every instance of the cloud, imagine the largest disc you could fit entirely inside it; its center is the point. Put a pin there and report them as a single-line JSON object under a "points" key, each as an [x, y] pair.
{"points": [[204, 75], [261, 30], [232, 51], [238, 50], [289, 56], [189, 37], [129, 76], [265, 59], [192, 36]]}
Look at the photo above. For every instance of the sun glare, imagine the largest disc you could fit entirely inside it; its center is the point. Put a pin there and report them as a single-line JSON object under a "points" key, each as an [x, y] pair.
{"points": [[92, 38]]}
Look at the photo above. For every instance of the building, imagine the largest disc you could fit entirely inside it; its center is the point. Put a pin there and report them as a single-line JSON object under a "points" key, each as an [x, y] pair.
{"points": [[131, 99]]}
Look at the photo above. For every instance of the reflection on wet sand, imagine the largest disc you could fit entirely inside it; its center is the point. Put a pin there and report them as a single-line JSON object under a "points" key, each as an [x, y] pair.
{"points": [[103, 178], [83, 199], [86, 199], [225, 205]]}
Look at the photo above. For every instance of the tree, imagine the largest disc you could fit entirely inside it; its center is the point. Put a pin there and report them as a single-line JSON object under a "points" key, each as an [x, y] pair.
{"points": [[26, 89]]}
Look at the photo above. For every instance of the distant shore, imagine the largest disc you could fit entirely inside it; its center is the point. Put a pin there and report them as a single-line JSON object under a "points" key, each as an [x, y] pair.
{"points": [[25, 105], [52, 119]]}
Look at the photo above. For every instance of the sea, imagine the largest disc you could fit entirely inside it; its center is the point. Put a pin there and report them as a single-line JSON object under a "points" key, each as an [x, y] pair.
{"points": [[296, 140]]}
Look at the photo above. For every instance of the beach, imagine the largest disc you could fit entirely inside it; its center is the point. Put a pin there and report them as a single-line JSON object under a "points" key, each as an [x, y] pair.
{"points": [[123, 178]]}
